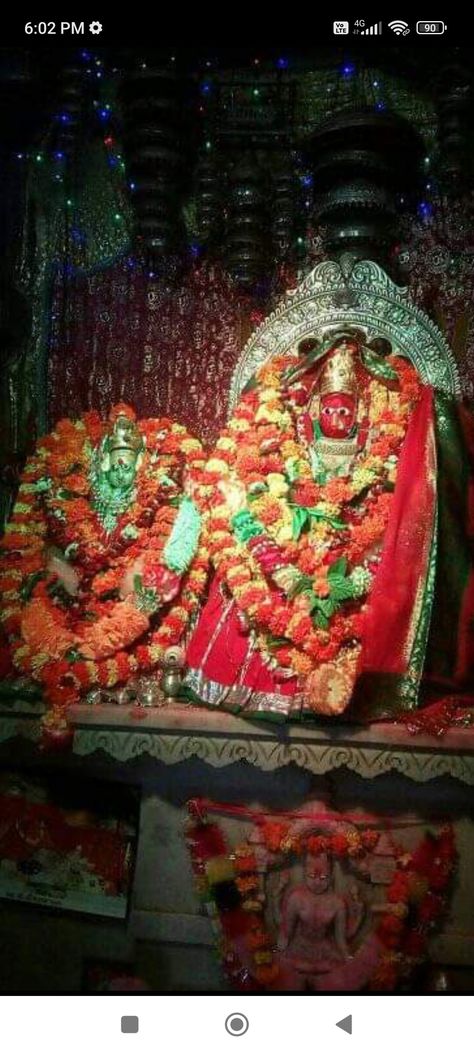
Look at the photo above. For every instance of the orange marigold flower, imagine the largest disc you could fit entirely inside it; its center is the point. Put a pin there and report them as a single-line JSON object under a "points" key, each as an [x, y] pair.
{"points": [[118, 629], [339, 844], [247, 884], [245, 862], [94, 425], [122, 409], [307, 494], [274, 834], [335, 491], [247, 461], [76, 482], [301, 663], [252, 595], [284, 656], [269, 511], [278, 622], [300, 627], [272, 463], [308, 561], [320, 586]]}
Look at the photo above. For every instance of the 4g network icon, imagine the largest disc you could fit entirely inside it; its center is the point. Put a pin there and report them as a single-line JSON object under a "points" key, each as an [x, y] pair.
{"points": [[341, 29]]}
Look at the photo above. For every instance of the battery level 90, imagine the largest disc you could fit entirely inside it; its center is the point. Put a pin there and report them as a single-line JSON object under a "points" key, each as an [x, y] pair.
{"points": [[430, 28]]}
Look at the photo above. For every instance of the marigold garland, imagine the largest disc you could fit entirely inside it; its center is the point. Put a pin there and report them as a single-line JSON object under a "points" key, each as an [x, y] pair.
{"points": [[325, 533], [95, 637]]}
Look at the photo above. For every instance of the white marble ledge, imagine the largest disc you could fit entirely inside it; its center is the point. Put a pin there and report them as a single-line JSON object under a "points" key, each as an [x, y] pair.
{"points": [[176, 733]]}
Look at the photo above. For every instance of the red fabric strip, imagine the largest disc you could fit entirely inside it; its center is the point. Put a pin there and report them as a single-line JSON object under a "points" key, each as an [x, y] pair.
{"points": [[389, 625]]}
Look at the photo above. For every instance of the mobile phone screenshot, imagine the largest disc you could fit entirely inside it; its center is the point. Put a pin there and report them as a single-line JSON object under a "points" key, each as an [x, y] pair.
{"points": [[236, 533]]}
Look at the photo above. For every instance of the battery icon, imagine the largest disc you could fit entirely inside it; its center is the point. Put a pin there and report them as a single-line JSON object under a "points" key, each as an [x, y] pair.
{"points": [[431, 28]]}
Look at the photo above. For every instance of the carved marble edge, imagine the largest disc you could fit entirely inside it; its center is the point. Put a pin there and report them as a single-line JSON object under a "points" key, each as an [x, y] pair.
{"points": [[177, 733], [269, 754]]}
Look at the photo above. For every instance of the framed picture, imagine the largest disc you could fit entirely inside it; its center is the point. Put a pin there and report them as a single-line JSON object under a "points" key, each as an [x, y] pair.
{"points": [[67, 843]]}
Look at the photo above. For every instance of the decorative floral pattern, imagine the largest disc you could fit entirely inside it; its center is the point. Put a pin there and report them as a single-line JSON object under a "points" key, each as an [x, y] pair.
{"points": [[163, 345]]}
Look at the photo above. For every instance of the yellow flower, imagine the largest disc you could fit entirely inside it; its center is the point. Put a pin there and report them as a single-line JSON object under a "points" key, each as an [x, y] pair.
{"points": [[199, 576], [361, 478], [327, 508], [277, 484], [219, 512], [374, 464], [27, 488], [226, 444], [290, 449], [216, 465], [267, 415], [20, 654], [269, 376], [267, 395], [239, 425], [38, 660], [112, 672], [319, 529], [378, 400], [219, 535], [283, 533], [19, 507], [188, 445]]}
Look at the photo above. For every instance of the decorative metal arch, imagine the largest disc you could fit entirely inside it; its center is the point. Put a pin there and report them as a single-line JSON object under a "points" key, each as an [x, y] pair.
{"points": [[335, 295]]}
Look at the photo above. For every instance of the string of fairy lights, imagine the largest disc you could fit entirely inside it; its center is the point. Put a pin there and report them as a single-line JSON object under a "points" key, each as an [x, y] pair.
{"points": [[104, 111]]}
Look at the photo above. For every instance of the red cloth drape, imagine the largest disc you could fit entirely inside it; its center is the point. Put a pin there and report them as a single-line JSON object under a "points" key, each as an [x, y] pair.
{"points": [[393, 610]]}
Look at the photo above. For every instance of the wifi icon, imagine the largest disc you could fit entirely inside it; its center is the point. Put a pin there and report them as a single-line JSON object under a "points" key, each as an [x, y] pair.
{"points": [[400, 28]]}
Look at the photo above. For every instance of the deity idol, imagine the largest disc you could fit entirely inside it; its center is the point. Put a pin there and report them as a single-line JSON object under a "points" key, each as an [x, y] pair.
{"points": [[100, 566], [316, 933], [336, 512]]}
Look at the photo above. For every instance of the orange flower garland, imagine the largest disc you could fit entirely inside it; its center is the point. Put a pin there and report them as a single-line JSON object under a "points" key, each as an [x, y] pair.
{"points": [[91, 636], [262, 471]]}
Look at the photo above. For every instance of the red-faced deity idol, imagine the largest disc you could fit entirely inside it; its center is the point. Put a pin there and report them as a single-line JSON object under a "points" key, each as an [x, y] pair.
{"points": [[322, 524]]}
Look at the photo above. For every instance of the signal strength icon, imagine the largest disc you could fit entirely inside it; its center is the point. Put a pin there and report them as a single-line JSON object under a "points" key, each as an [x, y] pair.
{"points": [[372, 31], [400, 28]]}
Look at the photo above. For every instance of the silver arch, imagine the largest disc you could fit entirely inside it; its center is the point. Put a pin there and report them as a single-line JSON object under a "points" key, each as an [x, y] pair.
{"points": [[362, 295]]}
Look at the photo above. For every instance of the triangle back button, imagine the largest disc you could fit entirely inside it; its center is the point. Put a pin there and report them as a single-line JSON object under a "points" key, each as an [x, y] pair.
{"points": [[346, 1024]]}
